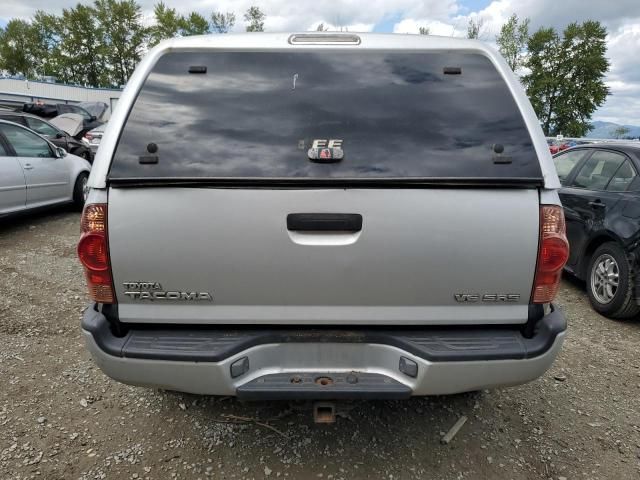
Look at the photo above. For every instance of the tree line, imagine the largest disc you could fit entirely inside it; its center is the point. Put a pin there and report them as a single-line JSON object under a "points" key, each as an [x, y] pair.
{"points": [[99, 45]]}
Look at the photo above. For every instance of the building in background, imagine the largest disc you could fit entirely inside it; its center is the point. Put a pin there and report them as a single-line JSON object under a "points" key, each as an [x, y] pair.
{"points": [[15, 92]]}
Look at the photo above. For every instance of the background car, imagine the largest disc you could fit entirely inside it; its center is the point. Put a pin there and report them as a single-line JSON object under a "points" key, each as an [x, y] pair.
{"points": [[95, 109], [34, 173], [601, 198], [55, 135], [556, 146], [90, 120], [93, 138]]}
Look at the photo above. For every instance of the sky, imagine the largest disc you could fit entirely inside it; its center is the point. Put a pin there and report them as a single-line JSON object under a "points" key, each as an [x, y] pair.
{"points": [[443, 17]]}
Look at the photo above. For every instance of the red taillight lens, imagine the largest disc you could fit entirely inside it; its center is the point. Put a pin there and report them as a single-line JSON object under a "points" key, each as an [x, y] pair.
{"points": [[553, 253], [88, 136], [93, 252]]}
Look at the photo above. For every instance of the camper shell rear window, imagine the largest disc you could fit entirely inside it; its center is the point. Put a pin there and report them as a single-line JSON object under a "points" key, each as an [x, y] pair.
{"points": [[384, 114]]}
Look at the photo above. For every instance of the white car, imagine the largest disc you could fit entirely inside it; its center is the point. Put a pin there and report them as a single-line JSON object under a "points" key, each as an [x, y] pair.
{"points": [[35, 173], [92, 138]]}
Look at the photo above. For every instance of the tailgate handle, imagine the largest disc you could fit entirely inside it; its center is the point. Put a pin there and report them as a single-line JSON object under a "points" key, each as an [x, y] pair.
{"points": [[324, 222]]}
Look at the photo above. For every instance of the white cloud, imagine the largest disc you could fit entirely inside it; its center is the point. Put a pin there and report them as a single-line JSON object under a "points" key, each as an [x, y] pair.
{"points": [[280, 13], [436, 27], [492, 17], [623, 105], [622, 47]]}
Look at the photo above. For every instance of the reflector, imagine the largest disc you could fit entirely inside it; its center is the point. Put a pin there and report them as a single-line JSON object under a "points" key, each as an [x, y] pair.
{"points": [[92, 250]]}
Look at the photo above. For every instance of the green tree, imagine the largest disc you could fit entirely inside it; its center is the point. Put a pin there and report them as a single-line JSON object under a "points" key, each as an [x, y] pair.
{"points": [[124, 37], [46, 31], [222, 22], [194, 24], [565, 82], [29, 48], [423, 30], [167, 24], [474, 28], [255, 18], [620, 132], [82, 50], [96, 45], [512, 41], [17, 48]]}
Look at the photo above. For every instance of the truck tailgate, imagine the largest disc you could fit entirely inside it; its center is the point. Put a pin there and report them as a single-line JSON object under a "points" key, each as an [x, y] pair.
{"points": [[421, 257]]}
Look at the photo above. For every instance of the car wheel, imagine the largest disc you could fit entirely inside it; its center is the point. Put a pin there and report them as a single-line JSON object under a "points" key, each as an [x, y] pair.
{"points": [[80, 190], [610, 283]]}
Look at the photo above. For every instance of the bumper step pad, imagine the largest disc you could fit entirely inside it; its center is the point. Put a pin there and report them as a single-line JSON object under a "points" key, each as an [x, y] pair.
{"points": [[323, 386], [214, 344]]}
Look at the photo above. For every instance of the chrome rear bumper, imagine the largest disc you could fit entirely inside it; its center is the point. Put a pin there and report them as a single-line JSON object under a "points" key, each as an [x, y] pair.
{"points": [[286, 364]]}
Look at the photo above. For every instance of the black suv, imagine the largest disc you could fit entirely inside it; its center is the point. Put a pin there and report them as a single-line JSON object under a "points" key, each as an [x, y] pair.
{"points": [[601, 198]]}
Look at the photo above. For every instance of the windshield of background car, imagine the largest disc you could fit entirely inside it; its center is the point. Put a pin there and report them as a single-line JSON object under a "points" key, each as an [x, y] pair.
{"points": [[257, 114], [96, 109], [64, 108]]}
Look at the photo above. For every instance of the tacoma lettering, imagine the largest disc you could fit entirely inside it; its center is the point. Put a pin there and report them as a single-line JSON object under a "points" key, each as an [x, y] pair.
{"points": [[180, 296]]}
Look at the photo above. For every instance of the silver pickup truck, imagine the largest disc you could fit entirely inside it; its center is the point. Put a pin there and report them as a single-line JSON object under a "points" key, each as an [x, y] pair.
{"points": [[323, 216]]}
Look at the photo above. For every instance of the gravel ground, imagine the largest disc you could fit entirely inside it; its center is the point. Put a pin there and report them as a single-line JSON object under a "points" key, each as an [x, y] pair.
{"points": [[60, 417]]}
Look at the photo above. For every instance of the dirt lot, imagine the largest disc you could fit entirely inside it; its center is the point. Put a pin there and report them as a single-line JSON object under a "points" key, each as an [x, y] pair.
{"points": [[60, 417]]}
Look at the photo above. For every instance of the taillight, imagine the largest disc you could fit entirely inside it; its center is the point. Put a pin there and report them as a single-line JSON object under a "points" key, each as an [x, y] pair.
{"points": [[553, 253], [88, 136], [93, 252]]}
